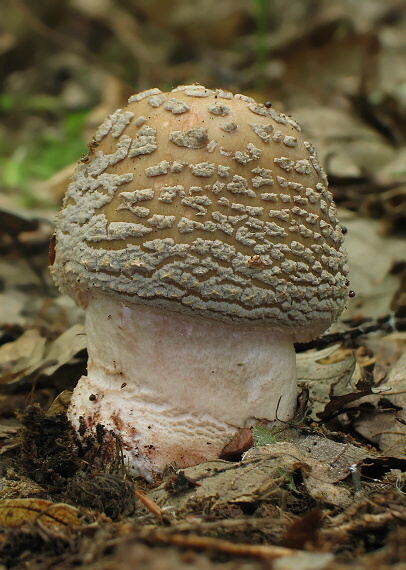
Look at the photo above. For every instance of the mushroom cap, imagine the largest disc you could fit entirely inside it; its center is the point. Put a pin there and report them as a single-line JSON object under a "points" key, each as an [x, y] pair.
{"points": [[207, 203]]}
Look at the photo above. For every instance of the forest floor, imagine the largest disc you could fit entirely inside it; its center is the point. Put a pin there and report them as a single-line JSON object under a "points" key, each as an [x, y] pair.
{"points": [[323, 492]]}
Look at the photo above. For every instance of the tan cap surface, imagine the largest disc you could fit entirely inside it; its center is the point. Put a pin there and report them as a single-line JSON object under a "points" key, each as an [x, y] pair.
{"points": [[208, 203]]}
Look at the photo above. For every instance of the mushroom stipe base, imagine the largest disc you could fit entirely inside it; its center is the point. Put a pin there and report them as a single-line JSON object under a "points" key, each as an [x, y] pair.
{"points": [[185, 386]]}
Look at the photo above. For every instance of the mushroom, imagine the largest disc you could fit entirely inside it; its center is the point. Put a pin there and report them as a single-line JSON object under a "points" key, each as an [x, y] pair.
{"points": [[200, 236]]}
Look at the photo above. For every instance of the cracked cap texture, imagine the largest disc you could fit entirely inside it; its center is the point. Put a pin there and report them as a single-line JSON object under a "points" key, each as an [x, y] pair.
{"points": [[207, 203]]}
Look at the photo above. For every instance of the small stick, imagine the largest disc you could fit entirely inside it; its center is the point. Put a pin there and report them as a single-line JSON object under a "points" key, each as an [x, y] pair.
{"points": [[258, 551], [149, 504]]}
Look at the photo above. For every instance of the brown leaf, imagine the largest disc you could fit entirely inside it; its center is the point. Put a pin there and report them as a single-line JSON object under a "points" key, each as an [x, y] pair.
{"points": [[31, 355], [304, 530], [331, 375], [265, 473], [16, 512], [371, 258], [382, 416], [240, 443], [60, 403]]}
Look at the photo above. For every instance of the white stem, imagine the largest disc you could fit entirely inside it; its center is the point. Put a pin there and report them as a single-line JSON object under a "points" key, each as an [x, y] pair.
{"points": [[178, 388]]}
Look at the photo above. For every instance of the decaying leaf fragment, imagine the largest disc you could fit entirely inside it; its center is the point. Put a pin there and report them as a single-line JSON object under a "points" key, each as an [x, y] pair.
{"points": [[393, 439], [30, 356], [17, 512], [371, 258], [17, 486], [334, 380], [382, 416], [266, 472]]}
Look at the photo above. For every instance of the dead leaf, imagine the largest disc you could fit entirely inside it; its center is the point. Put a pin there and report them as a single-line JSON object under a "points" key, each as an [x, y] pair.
{"points": [[30, 356], [264, 473], [365, 150], [16, 486], [21, 355], [371, 258], [385, 422], [332, 384], [303, 531], [387, 350], [11, 308], [8, 431], [65, 347], [17, 512], [60, 404]]}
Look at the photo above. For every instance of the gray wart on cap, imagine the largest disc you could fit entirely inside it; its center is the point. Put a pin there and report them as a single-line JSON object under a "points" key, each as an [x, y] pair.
{"points": [[209, 209]]}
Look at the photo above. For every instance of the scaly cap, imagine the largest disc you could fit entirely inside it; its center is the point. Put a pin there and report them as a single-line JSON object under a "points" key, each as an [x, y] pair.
{"points": [[208, 203]]}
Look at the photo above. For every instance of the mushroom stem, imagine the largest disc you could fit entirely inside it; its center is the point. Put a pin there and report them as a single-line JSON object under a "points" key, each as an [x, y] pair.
{"points": [[185, 386]]}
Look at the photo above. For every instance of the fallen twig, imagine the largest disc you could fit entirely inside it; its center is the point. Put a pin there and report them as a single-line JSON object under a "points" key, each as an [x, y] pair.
{"points": [[204, 543]]}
